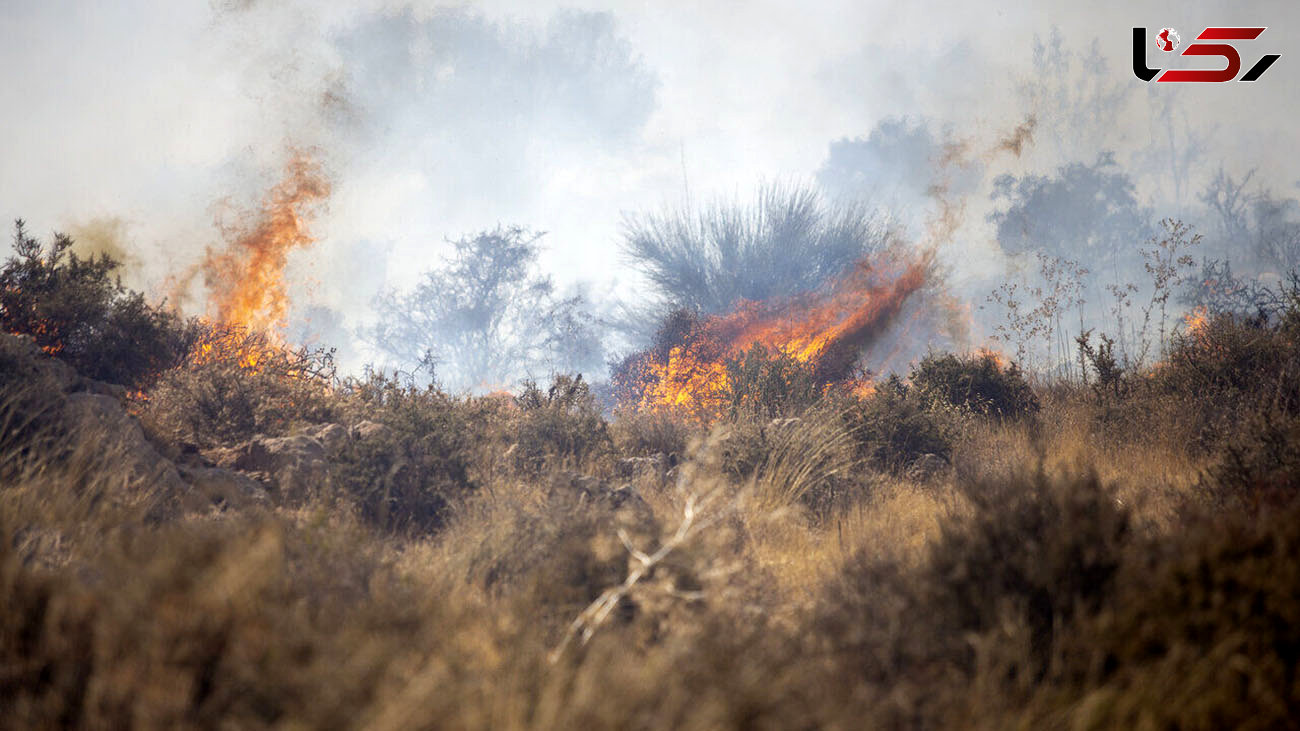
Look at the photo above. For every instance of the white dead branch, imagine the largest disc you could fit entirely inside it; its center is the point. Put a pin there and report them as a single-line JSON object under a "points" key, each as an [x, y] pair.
{"points": [[586, 623]]}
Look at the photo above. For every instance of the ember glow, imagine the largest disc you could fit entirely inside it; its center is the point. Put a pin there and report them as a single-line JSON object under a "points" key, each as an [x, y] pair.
{"points": [[246, 279], [828, 329]]}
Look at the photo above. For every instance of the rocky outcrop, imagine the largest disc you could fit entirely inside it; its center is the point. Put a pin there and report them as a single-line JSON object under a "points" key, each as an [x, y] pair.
{"points": [[101, 417], [295, 465], [927, 467]]}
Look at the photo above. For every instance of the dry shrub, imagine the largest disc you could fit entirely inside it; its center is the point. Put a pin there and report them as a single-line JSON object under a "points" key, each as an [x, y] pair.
{"points": [[218, 398], [647, 432], [1229, 368], [985, 611], [1204, 632], [561, 425], [770, 384], [407, 474], [976, 382], [894, 426], [77, 311]]}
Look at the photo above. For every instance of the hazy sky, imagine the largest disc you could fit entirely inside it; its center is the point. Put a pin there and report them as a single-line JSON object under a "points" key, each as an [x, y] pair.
{"points": [[437, 120]]}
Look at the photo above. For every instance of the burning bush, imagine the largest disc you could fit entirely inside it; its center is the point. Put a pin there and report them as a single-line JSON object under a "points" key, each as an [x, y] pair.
{"points": [[78, 312], [1227, 367], [770, 383], [236, 384], [812, 340], [978, 382]]}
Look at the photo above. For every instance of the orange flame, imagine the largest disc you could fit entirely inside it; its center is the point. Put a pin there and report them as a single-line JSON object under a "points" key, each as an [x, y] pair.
{"points": [[246, 280], [1196, 320], [828, 330]]}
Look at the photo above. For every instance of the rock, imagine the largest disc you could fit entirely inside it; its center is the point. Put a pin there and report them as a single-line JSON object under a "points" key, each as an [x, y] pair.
{"points": [[331, 436], [633, 466], [370, 430], [926, 467], [295, 464], [223, 488], [105, 420]]}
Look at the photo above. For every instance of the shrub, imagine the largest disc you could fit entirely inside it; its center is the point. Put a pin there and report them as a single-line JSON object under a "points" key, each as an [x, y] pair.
{"points": [[1034, 552], [893, 426], [976, 382], [1229, 369], [1259, 464], [78, 312], [562, 423], [31, 402], [646, 432], [237, 384], [979, 621], [790, 241], [406, 475], [770, 383], [1204, 633]]}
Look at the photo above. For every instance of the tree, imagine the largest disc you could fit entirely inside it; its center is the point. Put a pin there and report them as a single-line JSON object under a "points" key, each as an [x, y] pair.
{"points": [[1084, 212], [788, 242], [487, 317], [78, 311]]}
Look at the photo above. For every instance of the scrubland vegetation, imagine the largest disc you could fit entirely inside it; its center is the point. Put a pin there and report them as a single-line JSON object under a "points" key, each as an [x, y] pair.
{"points": [[200, 528]]}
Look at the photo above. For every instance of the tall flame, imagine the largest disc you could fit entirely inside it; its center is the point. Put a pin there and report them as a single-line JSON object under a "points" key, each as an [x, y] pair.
{"points": [[246, 279]]}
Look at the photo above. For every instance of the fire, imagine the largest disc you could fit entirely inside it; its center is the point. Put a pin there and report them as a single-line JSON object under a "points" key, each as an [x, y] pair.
{"points": [[998, 357], [246, 280], [1196, 320], [828, 329]]}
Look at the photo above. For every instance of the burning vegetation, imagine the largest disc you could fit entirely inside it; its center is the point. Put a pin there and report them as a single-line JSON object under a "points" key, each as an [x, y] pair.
{"points": [[690, 368], [246, 279], [260, 549]]}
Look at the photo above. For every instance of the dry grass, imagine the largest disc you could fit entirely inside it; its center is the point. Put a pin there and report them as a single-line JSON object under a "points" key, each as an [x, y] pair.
{"points": [[1063, 573]]}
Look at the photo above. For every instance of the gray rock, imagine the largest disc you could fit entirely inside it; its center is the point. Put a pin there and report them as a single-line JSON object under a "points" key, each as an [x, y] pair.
{"points": [[331, 436], [370, 430], [926, 468], [295, 464], [222, 487], [102, 417], [633, 466]]}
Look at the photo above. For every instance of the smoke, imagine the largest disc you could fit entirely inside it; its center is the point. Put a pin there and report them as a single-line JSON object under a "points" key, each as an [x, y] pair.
{"points": [[437, 122]]}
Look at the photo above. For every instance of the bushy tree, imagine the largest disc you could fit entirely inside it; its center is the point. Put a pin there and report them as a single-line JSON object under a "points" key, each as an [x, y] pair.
{"points": [[1254, 226], [79, 312], [789, 241], [1082, 210], [487, 317]]}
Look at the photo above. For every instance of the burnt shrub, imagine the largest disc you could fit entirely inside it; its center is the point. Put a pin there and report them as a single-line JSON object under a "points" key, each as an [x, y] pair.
{"points": [[894, 426], [405, 472], [977, 382], [77, 311], [562, 423], [237, 384], [770, 383]]}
